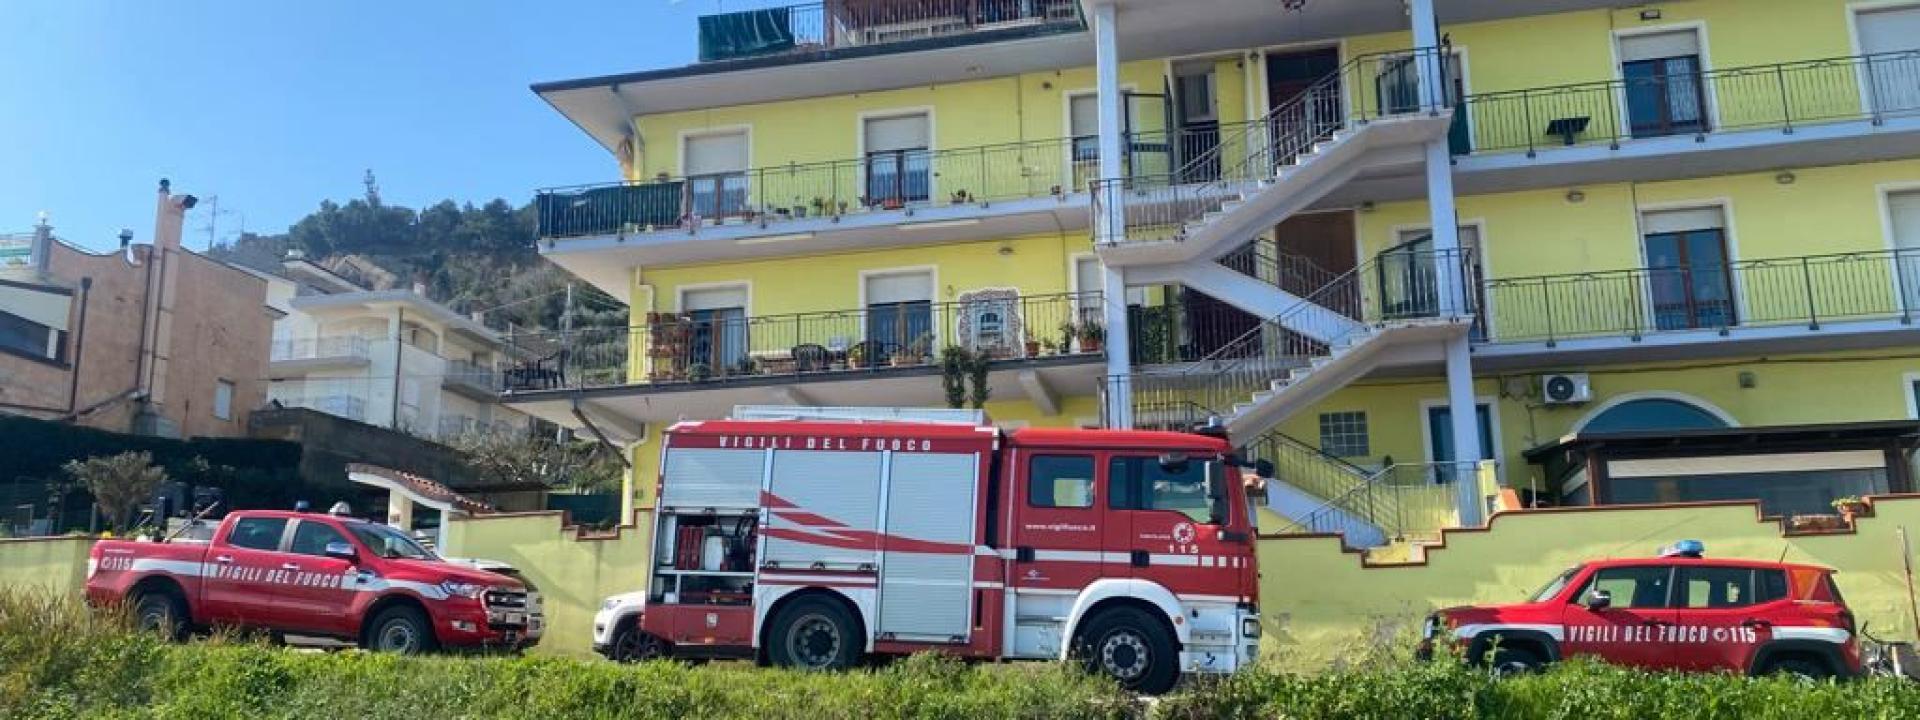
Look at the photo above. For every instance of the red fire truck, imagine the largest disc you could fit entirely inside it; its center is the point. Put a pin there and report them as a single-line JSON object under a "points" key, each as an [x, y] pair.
{"points": [[811, 544]]}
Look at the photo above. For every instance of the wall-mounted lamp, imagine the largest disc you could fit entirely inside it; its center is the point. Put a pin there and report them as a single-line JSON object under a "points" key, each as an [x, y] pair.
{"points": [[1576, 196], [1650, 14], [1747, 380], [1786, 177]]}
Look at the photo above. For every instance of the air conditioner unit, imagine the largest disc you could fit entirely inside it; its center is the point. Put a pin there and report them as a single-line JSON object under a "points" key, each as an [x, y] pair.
{"points": [[1566, 388]]}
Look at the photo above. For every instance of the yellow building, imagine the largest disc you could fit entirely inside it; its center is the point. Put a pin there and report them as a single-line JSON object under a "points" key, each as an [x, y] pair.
{"points": [[1631, 253]]}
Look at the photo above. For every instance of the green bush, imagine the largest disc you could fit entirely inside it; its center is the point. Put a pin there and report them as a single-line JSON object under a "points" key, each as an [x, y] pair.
{"points": [[59, 660]]}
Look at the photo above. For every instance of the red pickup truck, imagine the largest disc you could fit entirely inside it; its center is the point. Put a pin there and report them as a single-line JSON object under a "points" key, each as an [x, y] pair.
{"points": [[310, 574]]}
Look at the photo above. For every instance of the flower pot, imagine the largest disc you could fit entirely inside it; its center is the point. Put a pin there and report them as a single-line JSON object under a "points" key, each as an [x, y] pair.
{"points": [[1033, 348], [1089, 345], [902, 361]]}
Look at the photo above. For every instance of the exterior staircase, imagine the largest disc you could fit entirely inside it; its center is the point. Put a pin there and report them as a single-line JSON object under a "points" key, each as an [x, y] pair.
{"points": [[1322, 494]]}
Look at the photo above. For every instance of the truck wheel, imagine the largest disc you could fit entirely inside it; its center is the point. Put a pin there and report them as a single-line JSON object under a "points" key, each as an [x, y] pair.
{"points": [[399, 629], [161, 611], [1132, 647], [631, 645], [814, 634], [1513, 661]]}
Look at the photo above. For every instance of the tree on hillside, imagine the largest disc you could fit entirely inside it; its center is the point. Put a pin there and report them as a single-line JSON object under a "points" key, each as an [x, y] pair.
{"points": [[500, 459], [118, 483]]}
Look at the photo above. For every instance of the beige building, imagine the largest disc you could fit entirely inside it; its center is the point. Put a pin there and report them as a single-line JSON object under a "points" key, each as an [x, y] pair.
{"points": [[154, 339]]}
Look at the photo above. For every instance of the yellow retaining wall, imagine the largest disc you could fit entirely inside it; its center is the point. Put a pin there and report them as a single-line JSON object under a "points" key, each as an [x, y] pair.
{"points": [[574, 572], [1322, 606], [58, 563]]}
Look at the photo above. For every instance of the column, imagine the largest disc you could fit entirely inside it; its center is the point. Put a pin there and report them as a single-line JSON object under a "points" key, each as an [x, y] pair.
{"points": [[1449, 262], [399, 510], [1109, 222]]}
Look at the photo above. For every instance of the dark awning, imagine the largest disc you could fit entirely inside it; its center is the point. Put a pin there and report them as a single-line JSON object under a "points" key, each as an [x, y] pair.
{"points": [[1879, 432]]}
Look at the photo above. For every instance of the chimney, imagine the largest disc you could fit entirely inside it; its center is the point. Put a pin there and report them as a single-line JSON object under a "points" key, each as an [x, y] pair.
{"points": [[170, 216], [42, 251]]}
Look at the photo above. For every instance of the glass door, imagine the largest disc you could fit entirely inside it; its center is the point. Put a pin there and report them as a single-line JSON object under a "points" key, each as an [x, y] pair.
{"points": [[1689, 280], [1665, 96], [719, 341]]}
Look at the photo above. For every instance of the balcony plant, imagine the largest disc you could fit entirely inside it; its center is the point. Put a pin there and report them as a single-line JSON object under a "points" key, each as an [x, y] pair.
{"points": [[1033, 346], [1049, 347], [962, 197], [892, 203], [1068, 331], [857, 356], [1850, 507], [799, 207], [1092, 334], [821, 206], [699, 372], [843, 207], [916, 353]]}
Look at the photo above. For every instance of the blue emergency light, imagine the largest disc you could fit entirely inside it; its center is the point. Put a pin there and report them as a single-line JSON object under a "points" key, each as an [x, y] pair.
{"points": [[1684, 548]]}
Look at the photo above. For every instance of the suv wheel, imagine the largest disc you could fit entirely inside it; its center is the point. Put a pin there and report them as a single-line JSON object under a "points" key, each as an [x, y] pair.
{"points": [[630, 644], [1131, 647], [1799, 668], [162, 612], [399, 629], [1513, 661], [814, 634]]}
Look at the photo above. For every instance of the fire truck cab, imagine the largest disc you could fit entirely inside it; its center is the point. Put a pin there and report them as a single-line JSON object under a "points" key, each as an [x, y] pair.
{"points": [[812, 543]]}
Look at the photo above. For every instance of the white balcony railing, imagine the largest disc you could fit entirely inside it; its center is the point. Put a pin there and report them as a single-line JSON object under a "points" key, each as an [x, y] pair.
{"points": [[340, 346]]}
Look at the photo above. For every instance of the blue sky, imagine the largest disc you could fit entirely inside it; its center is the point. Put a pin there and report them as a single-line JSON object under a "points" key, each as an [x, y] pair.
{"points": [[273, 105]]}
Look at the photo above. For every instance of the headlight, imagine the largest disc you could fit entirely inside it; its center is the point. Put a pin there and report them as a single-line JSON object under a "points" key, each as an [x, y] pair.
{"points": [[463, 589], [1431, 629]]}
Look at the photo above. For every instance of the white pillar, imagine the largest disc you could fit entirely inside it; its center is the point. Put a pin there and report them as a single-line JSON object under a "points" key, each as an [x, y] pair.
{"points": [[1452, 290], [1109, 222], [399, 510]]}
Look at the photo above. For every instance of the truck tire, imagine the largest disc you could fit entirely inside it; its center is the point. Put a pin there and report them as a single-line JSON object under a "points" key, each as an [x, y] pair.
{"points": [[163, 612], [631, 644], [814, 633], [1133, 648], [1513, 661], [399, 629]]}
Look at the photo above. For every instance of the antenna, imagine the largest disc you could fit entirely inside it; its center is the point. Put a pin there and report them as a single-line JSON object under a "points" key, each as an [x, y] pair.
{"points": [[213, 220], [373, 188]]}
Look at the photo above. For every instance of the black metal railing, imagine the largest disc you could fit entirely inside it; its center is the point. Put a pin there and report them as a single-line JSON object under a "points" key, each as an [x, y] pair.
{"points": [[1295, 274], [860, 23], [1807, 290], [1779, 95], [881, 181], [1409, 501], [719, 346], [1398, 286], [1146, 208]]}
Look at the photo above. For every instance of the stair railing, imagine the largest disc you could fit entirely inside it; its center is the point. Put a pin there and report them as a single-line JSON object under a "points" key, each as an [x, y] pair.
{"points": [[1159, 207], [1407, 501]]}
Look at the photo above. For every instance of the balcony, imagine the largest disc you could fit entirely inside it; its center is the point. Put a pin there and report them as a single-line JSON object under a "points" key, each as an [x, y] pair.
{"points": [[480, 382], [839, 24], [344, 406], [1845, 300], [939, 195], [320, 353], [1041, 347]]}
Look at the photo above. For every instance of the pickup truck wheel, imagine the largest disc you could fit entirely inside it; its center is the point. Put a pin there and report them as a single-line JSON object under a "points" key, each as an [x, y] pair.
{"points": [[1508, 662], [1132, 647], [161, 612], [400, 629], [1799, 668], [814, 634]]}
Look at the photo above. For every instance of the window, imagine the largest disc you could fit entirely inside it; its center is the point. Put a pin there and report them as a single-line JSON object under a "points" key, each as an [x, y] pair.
{"points": [[1632, 587], [1060, 481], [1769, 585], [719, 328], [22, 335], [1687, 271], [1653, 414], [312, 538], [1344, 434], [899, 311], [1885, 33], [1141, 483], [1083, 125], [388, 542], [897, 160], [1716, 587], [223, 399], [258, 533], [716, 170], [1664, 91]]}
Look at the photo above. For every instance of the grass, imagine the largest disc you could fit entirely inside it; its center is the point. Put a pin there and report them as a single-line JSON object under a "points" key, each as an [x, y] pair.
{"points": [[60, 660]]}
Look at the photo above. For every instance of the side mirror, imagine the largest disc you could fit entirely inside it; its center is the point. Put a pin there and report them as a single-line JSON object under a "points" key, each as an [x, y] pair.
{"points": [[341, 551], [1599, 600], [1263, 468]]}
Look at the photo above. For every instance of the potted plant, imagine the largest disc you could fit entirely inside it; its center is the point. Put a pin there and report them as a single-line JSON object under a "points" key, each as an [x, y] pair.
{"points": [[699, 372], [918, 352], [1092, 333], [1033, 346], [1067, 332], [961, 197], [799, 207], [820, 206], [1049, 347], [1850, 507], [1816, 523], [892, 203], [842, 205], [857, 356]]}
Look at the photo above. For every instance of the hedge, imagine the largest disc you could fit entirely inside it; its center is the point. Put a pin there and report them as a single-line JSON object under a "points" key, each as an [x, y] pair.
{"points": [[59, 660]]}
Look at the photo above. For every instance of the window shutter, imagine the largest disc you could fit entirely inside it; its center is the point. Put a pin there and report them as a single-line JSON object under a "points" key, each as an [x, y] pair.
{"points": [[716, 154], [1889, 30], [899, 288], [907, 132], [714, 299], [35, 306], [1654, 46], [1672, 221], [1084, 115]]}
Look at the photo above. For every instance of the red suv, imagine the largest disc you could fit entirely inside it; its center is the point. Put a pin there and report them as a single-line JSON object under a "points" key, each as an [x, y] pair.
{"points": [[1678, 611]]}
